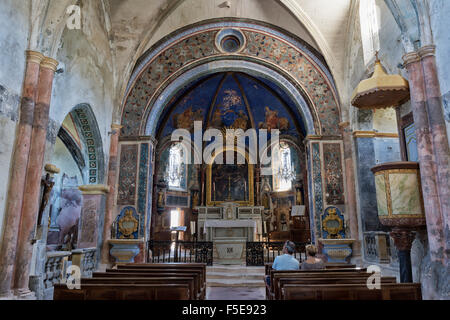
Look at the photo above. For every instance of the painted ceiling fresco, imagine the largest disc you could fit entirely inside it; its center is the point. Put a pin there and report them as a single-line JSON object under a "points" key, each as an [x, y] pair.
{"points": [[232, 100]]}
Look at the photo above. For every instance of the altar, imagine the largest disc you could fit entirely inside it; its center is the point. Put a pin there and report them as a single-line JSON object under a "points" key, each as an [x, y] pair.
{"points": [[229, 227]]}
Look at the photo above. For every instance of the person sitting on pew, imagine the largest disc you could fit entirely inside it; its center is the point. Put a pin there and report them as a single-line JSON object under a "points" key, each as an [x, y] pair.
{"points": [[285, 261], [312, 262]]}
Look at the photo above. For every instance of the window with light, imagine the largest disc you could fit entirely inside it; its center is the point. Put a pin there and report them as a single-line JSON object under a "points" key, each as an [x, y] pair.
{"points": [[283, 169]]}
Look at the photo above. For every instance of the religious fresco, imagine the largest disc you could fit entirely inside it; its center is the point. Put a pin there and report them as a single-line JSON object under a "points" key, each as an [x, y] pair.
{"points": [[301, 65], [334, 180], [126, 193], [229, 182], [234, 101]]}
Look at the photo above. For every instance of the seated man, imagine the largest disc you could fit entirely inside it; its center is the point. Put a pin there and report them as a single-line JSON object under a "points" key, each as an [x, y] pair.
{"points": [[285, 261], [312, 262]]}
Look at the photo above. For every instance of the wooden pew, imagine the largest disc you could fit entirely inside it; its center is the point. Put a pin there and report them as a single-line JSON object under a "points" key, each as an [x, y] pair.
{"points": [[123, 292], [397, 291], [152, 266], [279, 282], [328, 272], [199, 287], [194, 294]]}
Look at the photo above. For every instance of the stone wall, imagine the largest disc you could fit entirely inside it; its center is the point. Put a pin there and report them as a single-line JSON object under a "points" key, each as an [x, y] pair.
{"points": [[13, 43]]}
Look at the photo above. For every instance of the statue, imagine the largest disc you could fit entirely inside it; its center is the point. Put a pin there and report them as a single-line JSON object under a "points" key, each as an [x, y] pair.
{"points": [[299, 197], [195, 199], [160, 198], [266, 201], [273, 223], [283, 222], [48, 184]]}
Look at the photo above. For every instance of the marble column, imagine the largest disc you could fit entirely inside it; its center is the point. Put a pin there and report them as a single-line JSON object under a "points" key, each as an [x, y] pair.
{"points": [[30, 205], [112, 175], [351, 188], [91, 218], [18, 172], [428, 170], [438, 133]]}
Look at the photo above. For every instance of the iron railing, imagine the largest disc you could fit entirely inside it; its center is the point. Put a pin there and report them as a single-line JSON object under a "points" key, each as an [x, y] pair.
{"points": [[259, 253], [180, 252]]}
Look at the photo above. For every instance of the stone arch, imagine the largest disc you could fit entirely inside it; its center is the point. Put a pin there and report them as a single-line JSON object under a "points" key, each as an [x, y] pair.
{"points": [[278, 51], [86, 122]]}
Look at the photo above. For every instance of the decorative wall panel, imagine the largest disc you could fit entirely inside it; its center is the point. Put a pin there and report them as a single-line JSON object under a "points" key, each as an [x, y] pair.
{"points": [[334, 182], [317, 187], [190, 48], [126, 194]]}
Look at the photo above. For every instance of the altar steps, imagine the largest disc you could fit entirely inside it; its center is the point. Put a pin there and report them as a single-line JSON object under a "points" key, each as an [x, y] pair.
{"points": [[235, 276]]}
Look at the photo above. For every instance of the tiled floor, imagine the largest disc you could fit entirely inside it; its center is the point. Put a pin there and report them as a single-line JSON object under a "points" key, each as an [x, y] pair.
{"points": [[235, 293]]}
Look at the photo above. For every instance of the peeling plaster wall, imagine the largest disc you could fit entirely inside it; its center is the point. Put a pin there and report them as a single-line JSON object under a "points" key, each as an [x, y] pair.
{"points": [[87, 64], [439, 13], [14, 23]]}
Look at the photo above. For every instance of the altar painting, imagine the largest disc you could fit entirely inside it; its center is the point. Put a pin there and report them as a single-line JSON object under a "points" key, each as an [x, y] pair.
{"points": [[230, 182]]}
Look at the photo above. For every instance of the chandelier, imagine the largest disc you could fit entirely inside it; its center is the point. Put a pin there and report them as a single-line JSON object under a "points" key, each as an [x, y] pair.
{"points": [[175, 168], [286, 170]]}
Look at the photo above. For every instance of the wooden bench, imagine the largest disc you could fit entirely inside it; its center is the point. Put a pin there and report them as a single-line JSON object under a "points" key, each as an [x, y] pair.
{"points": [[279, 282], [123, 292], [144, 271], [336, 273], [397, 291], [199, 286], [165, 266], [194, 294]]}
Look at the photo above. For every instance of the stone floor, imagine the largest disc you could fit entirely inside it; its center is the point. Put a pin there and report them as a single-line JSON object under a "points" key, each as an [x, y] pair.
{"points": [[235, 293]]}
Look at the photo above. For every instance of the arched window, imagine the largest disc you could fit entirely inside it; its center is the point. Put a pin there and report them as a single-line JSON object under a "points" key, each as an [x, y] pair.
{"points": [[176, 168], [370, 29], [283, 169]]}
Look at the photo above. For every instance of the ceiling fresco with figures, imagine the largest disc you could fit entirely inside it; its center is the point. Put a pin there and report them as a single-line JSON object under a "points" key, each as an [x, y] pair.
{"points": [[235, 101], [182, 52]]}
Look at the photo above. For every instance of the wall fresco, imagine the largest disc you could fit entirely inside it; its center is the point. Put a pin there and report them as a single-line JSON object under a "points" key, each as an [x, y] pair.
{"points": [[126, 193]]}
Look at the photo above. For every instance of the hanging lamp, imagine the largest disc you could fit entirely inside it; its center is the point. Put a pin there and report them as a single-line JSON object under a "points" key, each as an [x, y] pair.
{"points": [[382, 90]]}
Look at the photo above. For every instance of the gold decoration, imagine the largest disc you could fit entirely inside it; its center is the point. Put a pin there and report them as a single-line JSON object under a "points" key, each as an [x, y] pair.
{"points": [[209, 201], [333, 231], [381, 90], [128, 225]]}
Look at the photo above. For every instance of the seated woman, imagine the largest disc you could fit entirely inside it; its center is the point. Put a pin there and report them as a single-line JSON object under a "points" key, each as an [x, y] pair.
{"points": [[312, 262]]}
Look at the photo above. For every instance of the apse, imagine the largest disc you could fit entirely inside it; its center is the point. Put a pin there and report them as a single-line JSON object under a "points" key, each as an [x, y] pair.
{"points": [[232, 100]]}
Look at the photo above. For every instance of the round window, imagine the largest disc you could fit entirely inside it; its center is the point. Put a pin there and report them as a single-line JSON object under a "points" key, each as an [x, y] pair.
{"points": [[230, 40]]}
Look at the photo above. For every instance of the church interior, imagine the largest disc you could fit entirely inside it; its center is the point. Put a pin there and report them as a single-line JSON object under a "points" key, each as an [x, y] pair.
{"points": [[168, 149]]}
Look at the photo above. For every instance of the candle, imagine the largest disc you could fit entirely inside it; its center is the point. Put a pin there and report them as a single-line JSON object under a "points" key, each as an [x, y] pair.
{"points": [[193, 230]]}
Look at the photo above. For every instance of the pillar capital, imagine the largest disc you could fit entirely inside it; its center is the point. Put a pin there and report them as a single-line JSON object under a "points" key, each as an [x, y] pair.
{"points": [[34, 56], [49, 63], [411, 57], [94, 189], [427, 51], [52, 169]]}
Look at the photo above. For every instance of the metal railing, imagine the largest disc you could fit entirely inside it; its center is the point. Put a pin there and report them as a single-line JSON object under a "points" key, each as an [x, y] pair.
{"points": [[259, 253], [180, 252]]}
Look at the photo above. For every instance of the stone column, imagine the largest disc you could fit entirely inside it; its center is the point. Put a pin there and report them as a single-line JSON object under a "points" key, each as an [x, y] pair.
{"points": [[428, 171], [438, 133], [18, 174], [112, 174], [30, 205], [403, 240], [351, 189], [91, 217]]}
